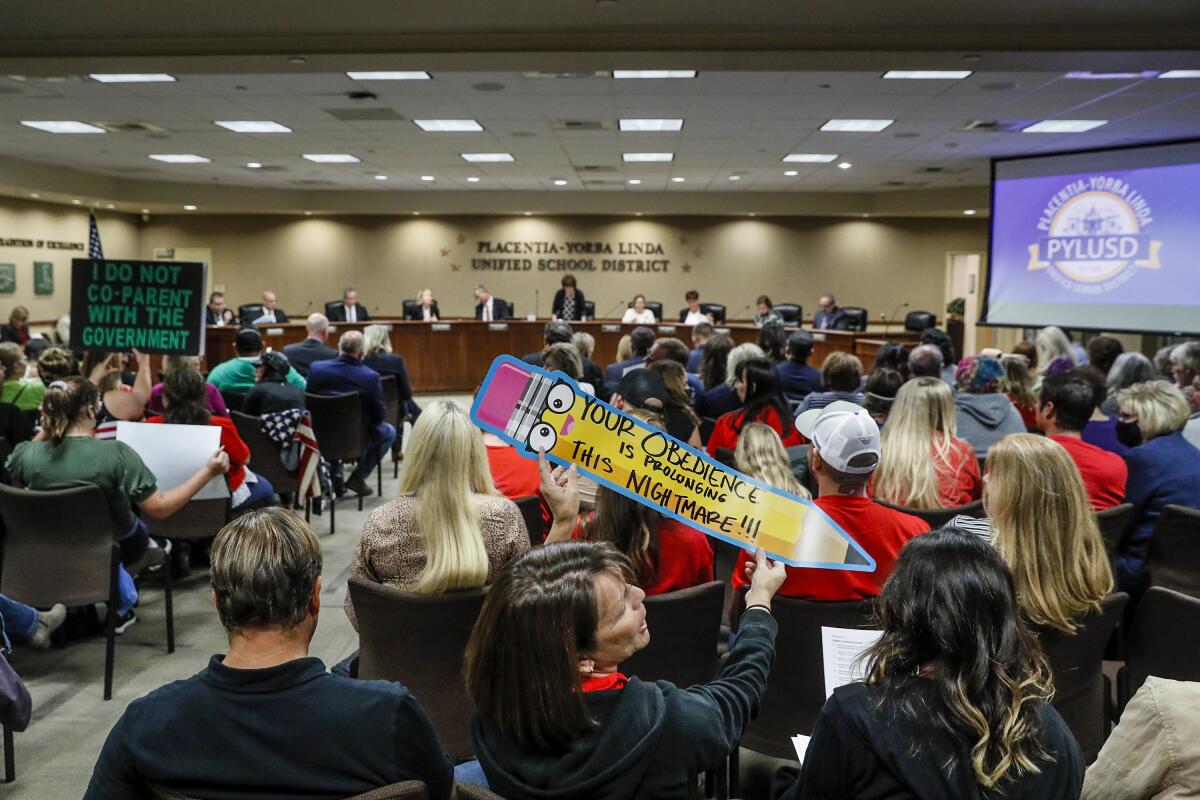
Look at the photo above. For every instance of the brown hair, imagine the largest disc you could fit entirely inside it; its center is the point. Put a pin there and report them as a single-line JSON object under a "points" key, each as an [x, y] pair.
{"points": [[674, 377], [19, 315], [184, 392], [93, 359], [522, 661], [56, 364], [264, 566], [10, 357], [64, 403], [841, 372], [713, 362]]}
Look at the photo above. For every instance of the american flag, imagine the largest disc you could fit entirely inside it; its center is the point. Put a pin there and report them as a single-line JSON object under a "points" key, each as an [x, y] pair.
{"points": [[95, 249]]}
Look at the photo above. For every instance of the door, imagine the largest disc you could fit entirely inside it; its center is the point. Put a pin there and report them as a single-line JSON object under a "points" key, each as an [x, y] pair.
{"points": [[962, 280]]}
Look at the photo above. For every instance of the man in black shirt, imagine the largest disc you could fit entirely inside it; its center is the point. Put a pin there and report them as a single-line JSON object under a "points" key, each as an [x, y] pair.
{"points": [[266, 719]]}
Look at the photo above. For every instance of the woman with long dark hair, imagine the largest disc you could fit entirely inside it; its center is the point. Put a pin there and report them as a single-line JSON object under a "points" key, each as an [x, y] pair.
{"points": [[555, 715], [956, 699], [757, 387]]}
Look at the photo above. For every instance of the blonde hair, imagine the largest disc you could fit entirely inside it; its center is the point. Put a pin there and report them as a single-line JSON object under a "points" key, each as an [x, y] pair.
{"points": [[174, 363], [19, 315], [760, 455], [1160, 407], [1052, 343], [915, 444], [1017, 383], [1044, 527], [444, 468], [376, 339], [743, 352], [421, 295], [625, 348]]}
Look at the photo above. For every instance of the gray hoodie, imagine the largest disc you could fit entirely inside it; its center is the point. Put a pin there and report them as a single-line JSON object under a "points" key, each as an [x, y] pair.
{"points": [[984, 419]]}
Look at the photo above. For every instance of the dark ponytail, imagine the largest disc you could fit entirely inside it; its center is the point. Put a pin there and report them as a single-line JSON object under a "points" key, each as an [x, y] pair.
{"points": [[64, 403], [185, 395]]}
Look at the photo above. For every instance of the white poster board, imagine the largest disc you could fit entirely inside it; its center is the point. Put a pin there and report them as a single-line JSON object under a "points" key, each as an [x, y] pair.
{"points": [[841, 649], [175, 452]]}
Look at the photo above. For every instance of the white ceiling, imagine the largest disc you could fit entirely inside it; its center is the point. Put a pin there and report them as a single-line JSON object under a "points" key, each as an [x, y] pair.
{"points": [[736, 123]]}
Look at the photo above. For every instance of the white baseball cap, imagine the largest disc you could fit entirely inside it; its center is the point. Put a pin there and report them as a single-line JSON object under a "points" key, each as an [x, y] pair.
{"points": [[844, 435]]}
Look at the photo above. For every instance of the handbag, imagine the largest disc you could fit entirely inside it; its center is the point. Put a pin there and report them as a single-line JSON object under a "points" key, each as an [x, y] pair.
{"points": [[16, 706]]}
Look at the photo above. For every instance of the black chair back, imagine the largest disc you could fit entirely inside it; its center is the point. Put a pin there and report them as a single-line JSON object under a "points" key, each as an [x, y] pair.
{"points": [[684, 627], [233, 400], [406, 790], [706, 428], [790, 313], [1174, 558], [334, 307], [716, 309], [391, 399], [338, 425], [796, 692], [1112, 523], [727, 456], [531, 512], [1077, 662], [264, 455], [510, 308], [249, 312], [198, 519], [937, 517], [589, 309], [854, 318], [419, 640], [919, 320], [1162, 641], [411, 309]]}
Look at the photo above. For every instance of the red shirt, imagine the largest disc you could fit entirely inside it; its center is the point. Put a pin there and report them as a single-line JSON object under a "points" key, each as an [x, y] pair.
{"points": [[1104, 473], [237, 450], [1028, 413], [685, 558], [959, 482], [880, 531], [726, 435], [516, 476]]}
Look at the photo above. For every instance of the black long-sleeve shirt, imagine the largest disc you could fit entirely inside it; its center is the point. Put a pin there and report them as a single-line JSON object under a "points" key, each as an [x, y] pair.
{"points": [[263, 734]]}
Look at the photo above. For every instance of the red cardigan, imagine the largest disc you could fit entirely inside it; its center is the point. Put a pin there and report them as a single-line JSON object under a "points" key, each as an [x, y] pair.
{"points": [[237, 450], [725, 434]]}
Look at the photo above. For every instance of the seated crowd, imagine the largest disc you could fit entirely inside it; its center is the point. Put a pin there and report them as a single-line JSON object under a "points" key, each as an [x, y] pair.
{"points": [[957, 699]]}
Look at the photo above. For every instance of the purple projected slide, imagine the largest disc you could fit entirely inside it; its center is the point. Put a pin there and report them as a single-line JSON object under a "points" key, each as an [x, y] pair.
{"points": [[1115, 245]]}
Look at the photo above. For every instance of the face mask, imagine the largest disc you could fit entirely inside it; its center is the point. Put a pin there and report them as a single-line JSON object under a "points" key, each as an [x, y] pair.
{"points": [[1129, 433]]}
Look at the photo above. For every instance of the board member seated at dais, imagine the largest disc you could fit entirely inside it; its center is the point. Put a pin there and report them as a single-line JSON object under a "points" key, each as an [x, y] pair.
{"points": [[425, 310], [271, 314], [350, 310], [488, 308]]}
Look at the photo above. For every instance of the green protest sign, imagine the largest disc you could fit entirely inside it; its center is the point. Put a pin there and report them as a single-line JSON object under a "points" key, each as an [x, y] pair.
{"points": [[152, 306]]}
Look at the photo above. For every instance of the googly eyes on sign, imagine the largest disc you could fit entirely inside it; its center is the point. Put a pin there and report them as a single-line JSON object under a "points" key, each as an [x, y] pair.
{"points": [[543, 437], [561, 398]]}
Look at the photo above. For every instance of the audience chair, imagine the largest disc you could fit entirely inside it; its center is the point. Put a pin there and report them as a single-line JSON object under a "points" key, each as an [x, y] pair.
{"points": [[706, 428], [796, 692], [233, 400], [854, 318], [1081, 693], [790, 313], [473, 791], [531, 511], [419, 640], [10, 756], [727, 456], [264, 457], [1112, 523], [406, 790], [1161, 642], [341, 436], [391, 413], [59, 548], [716, 309], [684, 627], [918, 321], [248, 312], [1174, 557], [198, 519], [937, 517]]}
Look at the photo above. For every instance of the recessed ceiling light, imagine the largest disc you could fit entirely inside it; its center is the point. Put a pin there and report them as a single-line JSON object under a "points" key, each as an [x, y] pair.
{"points": [[447, 125], [634, 181], [1088, 75], [253, 165], [866, 216], [145, 211], [648, 156], [109, 205], [1181, 73], [332, 158], [76, 202], [529, 213], [1064, 125], [180, 158], [132, 77], [308, 213], [252, 126], [416, 213], [427, 178], [637, 213], [189, 208], [927, 74], [810, 158], [476, 158], [624, 74], [845, 165], [381, 177], [735, 177], [970, 212], [385, 75], [651, 124], [751, 214], [473, 179], [560, 182], [678, 180], [856, 125], [791, 173], [62, 126], [34, 195]]}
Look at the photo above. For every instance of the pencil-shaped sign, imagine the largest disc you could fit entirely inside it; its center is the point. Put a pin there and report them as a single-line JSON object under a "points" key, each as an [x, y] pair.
{"points": [[538, 410]]}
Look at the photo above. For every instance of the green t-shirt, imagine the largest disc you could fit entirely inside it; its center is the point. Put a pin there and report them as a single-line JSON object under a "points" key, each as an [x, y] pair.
{"points": [[81, 461], [25, 395], [237, 375]]}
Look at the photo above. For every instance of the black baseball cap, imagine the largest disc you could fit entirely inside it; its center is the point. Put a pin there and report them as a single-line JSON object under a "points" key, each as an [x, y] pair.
{"points": [[643, 388], [248, 341], [272, 360]]}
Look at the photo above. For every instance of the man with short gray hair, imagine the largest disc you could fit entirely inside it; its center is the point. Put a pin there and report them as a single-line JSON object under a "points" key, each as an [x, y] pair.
{"points": [[925, 361], [266, 717], [347, 373], [303, 354]]}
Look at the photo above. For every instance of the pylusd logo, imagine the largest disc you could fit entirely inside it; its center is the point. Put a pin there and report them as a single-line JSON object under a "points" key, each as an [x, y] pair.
{"points": [[1093, 235]]}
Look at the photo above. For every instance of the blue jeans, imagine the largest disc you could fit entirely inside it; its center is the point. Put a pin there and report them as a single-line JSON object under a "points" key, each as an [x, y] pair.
{"points": [[470, 772], [377, 445], [17, 620], [133, 546]]}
